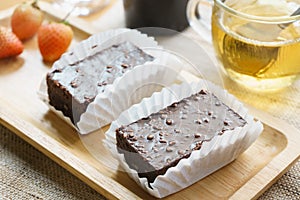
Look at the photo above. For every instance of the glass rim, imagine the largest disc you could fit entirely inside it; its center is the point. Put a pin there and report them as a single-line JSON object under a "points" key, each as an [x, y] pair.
{"points": [[271, 19]]}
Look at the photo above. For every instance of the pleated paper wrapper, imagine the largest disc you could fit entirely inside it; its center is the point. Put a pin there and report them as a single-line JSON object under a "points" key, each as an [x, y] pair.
{"points": [[218, 152], [139, 82]]}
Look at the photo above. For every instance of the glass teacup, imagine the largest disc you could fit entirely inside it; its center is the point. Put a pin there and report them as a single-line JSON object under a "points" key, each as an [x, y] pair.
{"points": [[256, 42]]}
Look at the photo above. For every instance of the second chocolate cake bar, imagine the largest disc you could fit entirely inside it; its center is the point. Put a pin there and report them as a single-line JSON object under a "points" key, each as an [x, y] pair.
{"points": [[154, 144], [72, 88]]}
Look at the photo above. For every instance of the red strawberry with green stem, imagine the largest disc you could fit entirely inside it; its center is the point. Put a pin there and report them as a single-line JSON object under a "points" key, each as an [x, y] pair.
{"points": [[10, 45], [53, 40], [26, 20]]}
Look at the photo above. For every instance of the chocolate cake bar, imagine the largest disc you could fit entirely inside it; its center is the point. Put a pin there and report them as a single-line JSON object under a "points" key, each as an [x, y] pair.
{"points": [[154, 144], [72, 88]]}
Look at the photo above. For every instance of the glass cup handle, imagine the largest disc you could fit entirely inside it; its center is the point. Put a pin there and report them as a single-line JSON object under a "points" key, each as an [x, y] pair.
{"points": [[199, 17]]}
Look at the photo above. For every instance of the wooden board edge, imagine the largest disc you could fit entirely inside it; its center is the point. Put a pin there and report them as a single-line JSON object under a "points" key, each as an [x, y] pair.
{"points": [[102, 184], [255, 187]]}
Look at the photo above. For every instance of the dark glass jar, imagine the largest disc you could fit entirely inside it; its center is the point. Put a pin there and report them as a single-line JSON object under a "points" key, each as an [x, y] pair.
{"points": [[170, 14]]}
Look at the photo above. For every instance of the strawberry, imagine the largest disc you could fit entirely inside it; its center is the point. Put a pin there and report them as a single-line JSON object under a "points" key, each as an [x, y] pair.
{"points": [[53, 40], [26, 20], [10, 45]]}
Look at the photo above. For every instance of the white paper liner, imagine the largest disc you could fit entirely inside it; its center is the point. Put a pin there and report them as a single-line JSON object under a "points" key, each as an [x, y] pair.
{"points": [[213, 155], [102, 41], [141, 82]]}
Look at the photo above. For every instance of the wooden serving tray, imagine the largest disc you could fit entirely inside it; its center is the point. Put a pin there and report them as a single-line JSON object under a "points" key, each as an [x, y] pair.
{"points": [[26, 115]]}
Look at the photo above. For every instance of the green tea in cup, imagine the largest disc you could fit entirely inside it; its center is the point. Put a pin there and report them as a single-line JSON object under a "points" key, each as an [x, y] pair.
{"points": [[258, 42]]}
